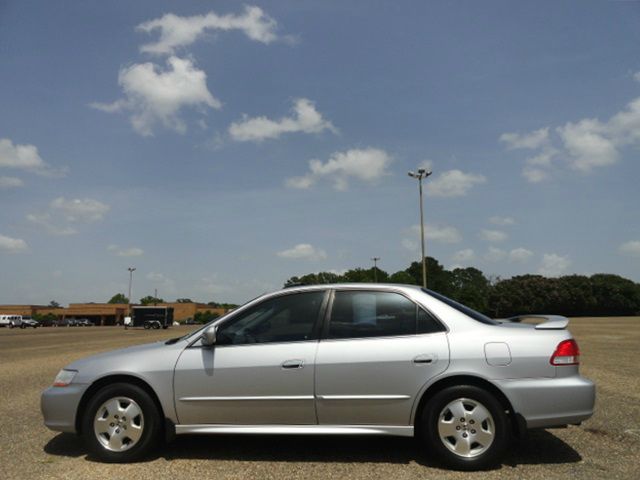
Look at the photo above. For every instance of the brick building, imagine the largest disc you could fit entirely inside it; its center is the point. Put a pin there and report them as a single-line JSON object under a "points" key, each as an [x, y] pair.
{"points": [[105, 313]]}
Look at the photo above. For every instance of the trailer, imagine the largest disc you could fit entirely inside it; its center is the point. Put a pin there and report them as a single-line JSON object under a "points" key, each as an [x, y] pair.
{"points": [[150, 317]]}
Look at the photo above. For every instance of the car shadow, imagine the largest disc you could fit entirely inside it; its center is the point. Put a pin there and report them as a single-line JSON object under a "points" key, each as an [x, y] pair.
{"points": [[538, 447]]}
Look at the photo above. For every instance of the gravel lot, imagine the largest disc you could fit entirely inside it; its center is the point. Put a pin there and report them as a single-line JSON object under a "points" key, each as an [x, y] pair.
{"points": [[605, 446]]}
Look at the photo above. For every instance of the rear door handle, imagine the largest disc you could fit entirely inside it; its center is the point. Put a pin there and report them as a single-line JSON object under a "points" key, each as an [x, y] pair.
{"points": [[293, 364], [424, 359]]}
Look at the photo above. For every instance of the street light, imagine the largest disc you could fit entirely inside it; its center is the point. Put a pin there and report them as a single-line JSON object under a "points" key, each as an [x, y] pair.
{"points": [[131, 270], [375, 268], [422, 173]]}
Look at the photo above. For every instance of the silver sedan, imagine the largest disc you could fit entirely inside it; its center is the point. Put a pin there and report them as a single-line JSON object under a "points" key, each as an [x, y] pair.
{"points": [[332, 359]]}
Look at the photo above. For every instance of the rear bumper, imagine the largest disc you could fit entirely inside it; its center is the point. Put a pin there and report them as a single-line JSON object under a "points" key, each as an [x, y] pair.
{"points": [[551, 402], [59, 406]]}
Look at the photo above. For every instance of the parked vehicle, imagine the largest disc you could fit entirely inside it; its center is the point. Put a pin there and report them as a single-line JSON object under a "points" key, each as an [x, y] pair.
{"points": [[68, 322], [84, 322], [10, 321], [151, 317], [365, 359], [29, 322]]}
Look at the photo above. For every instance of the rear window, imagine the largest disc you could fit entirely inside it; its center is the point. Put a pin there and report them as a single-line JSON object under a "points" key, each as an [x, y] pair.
{"points": [[469, 312]]}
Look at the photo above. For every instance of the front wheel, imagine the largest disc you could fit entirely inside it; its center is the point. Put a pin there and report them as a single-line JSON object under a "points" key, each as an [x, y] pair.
{"points": [[466, 427], [121, 423]]}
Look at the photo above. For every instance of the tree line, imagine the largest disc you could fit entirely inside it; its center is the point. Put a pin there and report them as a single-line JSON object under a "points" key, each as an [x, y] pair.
{"points": [[601, 294]]}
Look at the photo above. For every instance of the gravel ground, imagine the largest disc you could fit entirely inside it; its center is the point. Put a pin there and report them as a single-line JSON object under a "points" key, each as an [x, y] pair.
{"points": [[605, 446]]}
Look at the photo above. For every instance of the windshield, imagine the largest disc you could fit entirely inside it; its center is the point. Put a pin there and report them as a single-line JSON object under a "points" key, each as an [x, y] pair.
{"points": [[469, 312]]}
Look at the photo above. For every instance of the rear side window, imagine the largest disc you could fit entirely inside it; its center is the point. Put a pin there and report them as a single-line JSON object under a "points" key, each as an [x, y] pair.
{"points": [[358, 314]]}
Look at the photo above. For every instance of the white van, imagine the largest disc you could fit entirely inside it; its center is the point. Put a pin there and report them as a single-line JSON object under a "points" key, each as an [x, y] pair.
{"points": [[10, 321]]}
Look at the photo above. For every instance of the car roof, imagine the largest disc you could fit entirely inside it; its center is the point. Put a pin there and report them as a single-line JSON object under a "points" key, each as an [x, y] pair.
{"points": [[347, 286]]}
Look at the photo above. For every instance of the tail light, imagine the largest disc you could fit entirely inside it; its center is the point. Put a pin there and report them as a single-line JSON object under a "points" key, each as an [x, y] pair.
{"points": [[567, 353]]}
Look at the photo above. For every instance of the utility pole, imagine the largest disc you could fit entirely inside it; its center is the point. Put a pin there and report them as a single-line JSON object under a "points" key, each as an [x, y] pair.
{"points": [[422, 173], [131, 270], [375, 268]]}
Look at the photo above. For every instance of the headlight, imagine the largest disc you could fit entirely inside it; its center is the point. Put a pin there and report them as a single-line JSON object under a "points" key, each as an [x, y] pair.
{"points": [[64, 378]]}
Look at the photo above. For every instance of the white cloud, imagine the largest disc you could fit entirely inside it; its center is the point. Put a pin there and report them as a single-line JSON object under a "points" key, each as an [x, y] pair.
{"points": [[54, 227], [636, 76], [534, 175], [10, 182], [631, 248], [305, 119], [520, 255], [125, 252], [463, 256], [532, 140], [78, 210], [441, 233], [62, 215], [502, 221], [176, 31], [554, 265], [583, 145], [12, 245], [493, 236], [155, 96], [162, 282], [409, 244], [453, 183], [303, 251], [24, 157], [588, 145], [367, 165], [495, 255], [432, 233]]}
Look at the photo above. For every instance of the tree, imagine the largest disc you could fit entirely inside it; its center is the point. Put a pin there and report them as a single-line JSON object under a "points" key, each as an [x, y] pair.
{"points": [[314, 279], [184, 300], [205, 317], [470, 287], [615, 295], [438, 279], [402, 277], [54, 304], [150, 300], [118, 298]]}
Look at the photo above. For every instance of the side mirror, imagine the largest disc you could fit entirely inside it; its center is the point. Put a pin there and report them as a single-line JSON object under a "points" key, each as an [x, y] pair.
{"points": [[208, 338]]}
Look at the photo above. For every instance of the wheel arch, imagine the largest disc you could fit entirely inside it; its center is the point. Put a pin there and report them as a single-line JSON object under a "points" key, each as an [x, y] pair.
{"points": [[517, 422], [109, 380]]}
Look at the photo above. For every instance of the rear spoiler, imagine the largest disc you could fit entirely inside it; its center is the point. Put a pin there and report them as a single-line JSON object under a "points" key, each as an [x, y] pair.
{"points": [[551, 322]]}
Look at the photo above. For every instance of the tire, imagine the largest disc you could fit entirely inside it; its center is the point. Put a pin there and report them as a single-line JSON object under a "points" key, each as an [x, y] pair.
{"points": [[110, 434], [11, 325], [147, 326], [156, 326], [465, 427]]}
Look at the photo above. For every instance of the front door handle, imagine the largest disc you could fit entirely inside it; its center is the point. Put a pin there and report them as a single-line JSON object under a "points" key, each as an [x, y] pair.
{"points": [[424, 359], [293, 364]]}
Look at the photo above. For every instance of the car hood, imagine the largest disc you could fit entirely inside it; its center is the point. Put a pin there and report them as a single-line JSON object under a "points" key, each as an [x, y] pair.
{"points": [[139, 360]]}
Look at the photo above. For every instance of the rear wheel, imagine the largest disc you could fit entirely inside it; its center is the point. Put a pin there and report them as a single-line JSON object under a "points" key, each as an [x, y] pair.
{"points": [[465, 427], [121, 423]]}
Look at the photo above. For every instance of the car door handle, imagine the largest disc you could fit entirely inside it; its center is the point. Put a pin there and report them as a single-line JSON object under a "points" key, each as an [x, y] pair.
{"points": [[422, 359], [292, 364]]}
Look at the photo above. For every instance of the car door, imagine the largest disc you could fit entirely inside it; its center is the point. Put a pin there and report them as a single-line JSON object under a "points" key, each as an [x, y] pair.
{"points": [[376, 353], [261, 369]]}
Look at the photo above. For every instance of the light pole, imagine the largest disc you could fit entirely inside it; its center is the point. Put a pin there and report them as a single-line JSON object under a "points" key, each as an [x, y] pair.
{"points": [[422, 173], [131, 270], [375, 268]]}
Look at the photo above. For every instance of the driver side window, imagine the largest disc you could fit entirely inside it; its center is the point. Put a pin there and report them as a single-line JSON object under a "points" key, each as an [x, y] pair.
{"points": [[289, 318]]}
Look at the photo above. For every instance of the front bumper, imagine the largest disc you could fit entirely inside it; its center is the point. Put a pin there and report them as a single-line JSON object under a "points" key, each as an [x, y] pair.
{"points": [[59, 406], [551, 402]]}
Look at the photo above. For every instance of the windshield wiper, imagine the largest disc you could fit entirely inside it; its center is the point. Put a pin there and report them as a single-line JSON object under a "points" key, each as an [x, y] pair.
{"points": [[171, 341]]}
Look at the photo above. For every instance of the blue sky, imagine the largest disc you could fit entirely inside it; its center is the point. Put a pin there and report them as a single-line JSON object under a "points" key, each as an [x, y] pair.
{"points": [[221, 148]]}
